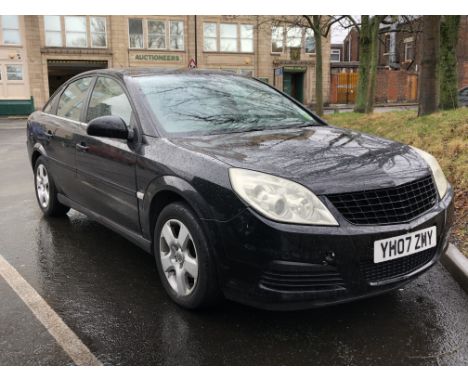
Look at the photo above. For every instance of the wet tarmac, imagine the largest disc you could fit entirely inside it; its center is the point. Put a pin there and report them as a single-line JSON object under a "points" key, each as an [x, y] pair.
{"points": [[107, 291]]}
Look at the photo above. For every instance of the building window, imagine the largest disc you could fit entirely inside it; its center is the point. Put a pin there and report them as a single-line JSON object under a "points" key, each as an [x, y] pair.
{"points": [[228, 37], [14, 72], [246, 34], [135, 32], [75, 32], [309, 46], [156, 34], [277, 39], [11, 30], [209, 37], [409, 51], [294, 37], [53, 31], [335, 55], [176, 35], [98, 32]]}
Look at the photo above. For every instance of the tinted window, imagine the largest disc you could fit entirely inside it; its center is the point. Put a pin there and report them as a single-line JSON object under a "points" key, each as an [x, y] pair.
{"points": [[73, 98], [214, 103], [108, 98]]}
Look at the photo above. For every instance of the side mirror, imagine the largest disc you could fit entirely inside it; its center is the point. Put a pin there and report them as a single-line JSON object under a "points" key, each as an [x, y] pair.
{"points": [[109, 126]]}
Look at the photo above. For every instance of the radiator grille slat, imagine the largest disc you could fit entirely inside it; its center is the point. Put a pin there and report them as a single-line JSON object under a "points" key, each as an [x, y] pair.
{"points": [[392, 205]]}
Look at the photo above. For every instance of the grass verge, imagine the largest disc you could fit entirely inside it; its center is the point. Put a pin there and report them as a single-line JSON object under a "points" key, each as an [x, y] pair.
{"points": [[443, 134]]}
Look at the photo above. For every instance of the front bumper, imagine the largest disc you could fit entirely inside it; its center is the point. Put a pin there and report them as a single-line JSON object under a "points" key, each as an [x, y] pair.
{"points": [[282, 266]]}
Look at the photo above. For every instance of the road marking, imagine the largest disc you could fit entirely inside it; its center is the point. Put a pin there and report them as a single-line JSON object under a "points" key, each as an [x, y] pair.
{"points": [[69, 341]]}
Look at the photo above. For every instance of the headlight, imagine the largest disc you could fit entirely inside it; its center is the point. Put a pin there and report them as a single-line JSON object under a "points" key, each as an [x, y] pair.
{"points": [[279, 199], [440, 179]]}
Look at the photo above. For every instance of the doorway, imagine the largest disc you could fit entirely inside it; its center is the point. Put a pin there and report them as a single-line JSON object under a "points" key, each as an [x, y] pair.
{"points": [[293, 84], [60, 71]]}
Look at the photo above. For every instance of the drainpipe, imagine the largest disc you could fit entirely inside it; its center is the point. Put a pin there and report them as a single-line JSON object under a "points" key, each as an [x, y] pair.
{"points": [[392, 57], [196, 43]]}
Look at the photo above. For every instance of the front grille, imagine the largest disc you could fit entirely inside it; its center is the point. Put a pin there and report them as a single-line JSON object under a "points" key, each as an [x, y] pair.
{"points": [[394, 268], [392, 205], [302, 281]]}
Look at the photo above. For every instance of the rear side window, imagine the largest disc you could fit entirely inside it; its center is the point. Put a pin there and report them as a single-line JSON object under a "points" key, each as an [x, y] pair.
{"points": [[108, 98], [73, 98]]}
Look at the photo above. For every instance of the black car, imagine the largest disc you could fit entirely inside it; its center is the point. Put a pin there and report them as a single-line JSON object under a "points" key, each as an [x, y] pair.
{"points": [[237, 189]]}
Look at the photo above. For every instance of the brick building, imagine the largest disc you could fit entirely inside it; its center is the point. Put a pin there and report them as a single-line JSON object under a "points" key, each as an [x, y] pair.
{"points": [[48, 50]]}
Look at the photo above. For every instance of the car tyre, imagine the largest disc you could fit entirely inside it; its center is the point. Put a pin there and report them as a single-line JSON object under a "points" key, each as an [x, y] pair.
{"points": [[46, 192], [184, 259]]}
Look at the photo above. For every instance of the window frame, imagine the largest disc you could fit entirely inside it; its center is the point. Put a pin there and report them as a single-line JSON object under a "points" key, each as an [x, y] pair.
{"points": [[283, 40], [86, 18], [22, 72], [217, 38], [60, 92], [3, 29], [305, 41], [236, 38], [148, 34], [246, 38], [91, 32], [60, 31], [90, 95], [142, 33], [170, 35], [334, 51], [411, 45]]}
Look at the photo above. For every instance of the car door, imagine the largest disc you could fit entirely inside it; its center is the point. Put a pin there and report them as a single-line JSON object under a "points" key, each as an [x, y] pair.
{"points": [[60, 122], [106, 167]]}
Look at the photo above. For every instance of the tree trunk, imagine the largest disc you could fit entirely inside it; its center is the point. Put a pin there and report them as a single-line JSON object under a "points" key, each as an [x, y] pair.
{"points": [[448, 62], [428, 78], [364, 61], [318, 66], [373, 61]]}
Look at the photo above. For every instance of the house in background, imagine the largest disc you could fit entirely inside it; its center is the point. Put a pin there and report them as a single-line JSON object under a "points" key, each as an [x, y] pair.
{"points": [[39, 53], [399, 63]]}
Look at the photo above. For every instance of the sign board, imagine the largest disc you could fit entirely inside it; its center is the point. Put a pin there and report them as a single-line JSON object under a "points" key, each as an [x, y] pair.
{"points": [[295, 69], [192, 64], [158, 57], [279, 71]]}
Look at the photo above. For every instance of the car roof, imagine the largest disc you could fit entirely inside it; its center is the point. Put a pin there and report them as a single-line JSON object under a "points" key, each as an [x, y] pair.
{"points": [[152, 71]]}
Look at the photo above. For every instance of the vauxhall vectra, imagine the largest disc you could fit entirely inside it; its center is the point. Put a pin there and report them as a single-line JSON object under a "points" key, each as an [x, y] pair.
{"points": [[237, 189]]}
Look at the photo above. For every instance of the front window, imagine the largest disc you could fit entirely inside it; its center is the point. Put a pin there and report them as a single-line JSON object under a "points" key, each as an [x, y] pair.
{"points": [[209, 37], [228, 40], [75, 32], [108, 98], [216, 104], [98, 32], [14, 72], [156, 34], [277, 39], [135, 32], [72, 99], [53, 30], [11, 30]]}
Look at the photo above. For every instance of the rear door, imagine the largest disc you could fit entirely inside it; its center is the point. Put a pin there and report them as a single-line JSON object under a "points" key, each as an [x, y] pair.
{"points": [[60, 123], [106, 167]]}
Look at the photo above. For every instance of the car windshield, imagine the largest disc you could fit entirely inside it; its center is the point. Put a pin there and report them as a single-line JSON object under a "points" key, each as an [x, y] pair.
{"points": [[218, 103]]}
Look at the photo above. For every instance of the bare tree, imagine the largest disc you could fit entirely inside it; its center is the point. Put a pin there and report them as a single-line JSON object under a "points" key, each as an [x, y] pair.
{"points": [[428, 78], [448, 62]]}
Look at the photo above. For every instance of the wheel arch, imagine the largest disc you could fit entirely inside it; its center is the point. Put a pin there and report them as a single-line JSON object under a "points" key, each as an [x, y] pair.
{"points": [[165, 190], [37, 151]]}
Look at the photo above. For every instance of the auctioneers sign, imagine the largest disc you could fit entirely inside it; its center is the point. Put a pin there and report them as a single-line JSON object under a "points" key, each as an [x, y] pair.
{"points": [[175, 58]]}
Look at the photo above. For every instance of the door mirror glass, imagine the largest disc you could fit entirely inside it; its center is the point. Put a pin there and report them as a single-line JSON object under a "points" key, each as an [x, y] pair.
{"points": [[109, 127]]}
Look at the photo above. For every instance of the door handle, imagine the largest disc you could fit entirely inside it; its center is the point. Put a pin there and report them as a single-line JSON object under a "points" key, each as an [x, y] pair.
{"points": [[81, 146], [49, 134]]}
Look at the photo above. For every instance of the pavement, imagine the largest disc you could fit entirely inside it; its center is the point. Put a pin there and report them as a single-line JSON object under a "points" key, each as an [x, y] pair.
{"points": [[106, 292]]}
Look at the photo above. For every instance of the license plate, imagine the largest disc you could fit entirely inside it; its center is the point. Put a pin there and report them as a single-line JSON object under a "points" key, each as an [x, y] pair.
{"points": [[404, 245]]}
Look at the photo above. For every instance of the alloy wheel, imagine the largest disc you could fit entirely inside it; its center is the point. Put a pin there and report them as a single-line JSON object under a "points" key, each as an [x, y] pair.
{"points": [[178, 255], [42, 186]]}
